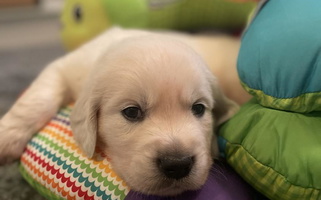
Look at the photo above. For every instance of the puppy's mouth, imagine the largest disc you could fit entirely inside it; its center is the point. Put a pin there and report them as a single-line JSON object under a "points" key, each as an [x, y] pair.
{"points": [[171, 187], [165, 186], [175, 174]]}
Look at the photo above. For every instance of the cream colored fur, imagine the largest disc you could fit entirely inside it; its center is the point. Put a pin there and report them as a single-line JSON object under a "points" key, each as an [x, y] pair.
{"points": [[164, 74]]}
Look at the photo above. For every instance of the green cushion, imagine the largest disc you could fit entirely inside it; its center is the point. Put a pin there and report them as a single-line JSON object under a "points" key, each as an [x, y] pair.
{"points": [[277, 152], [274, 142]]}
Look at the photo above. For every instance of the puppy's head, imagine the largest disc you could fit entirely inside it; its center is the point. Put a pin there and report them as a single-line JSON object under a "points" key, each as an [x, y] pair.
{"points": [[152, 105]]}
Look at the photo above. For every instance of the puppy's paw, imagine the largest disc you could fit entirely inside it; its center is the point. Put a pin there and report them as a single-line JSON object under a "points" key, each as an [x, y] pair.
{"points": [[12, 144]]}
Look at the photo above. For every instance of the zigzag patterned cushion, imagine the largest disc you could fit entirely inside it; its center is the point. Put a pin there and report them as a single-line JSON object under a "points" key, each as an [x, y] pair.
{"points": [[53, 164]]}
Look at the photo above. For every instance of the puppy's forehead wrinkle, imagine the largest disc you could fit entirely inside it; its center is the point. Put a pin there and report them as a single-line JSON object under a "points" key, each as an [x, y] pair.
{"points": [[170, 123]]}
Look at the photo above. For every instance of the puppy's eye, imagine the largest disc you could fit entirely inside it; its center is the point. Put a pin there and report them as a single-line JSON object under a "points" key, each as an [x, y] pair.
{"points": [[198, 109], [133, 113]]}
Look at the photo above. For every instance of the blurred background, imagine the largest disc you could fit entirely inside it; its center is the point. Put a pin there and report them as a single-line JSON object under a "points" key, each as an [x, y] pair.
{"points": [[29, 39]]}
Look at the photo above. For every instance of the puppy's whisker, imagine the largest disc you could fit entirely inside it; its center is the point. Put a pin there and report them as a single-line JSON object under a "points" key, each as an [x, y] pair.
{"points": [[218, 172]]}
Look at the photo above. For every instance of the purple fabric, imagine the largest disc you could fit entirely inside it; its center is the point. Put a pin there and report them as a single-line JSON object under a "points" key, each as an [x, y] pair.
{"points": [[222, 184]]}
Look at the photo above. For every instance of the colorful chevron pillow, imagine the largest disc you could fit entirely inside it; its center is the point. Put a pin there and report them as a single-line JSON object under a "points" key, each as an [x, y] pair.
{"points": [[55, 166], [274, 142]]}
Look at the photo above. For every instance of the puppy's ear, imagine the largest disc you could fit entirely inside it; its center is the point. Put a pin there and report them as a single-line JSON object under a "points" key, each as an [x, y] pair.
{"points": [[84, 123], [224, 108]]}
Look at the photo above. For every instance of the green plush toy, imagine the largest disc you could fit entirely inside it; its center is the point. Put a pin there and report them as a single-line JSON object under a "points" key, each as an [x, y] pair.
{"points": [[274, 141], [84, 19]]}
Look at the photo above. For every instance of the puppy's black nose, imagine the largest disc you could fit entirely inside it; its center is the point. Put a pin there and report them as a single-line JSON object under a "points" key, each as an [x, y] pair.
{"points": [[175, 167]]}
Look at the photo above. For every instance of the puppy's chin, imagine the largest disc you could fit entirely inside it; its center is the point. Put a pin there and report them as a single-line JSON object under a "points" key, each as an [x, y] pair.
{"points": [[170, 187]]}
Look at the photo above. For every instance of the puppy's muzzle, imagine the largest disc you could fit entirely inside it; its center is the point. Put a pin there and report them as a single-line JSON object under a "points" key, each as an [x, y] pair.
{"points": [[175, 166]]}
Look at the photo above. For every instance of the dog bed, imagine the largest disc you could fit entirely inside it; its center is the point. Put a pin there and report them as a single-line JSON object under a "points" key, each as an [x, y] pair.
{"points": [[54, 165], [274, 141]]}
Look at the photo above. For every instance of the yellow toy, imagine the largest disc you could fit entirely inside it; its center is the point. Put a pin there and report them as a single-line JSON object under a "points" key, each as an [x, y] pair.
{"points": [[84, 19]]}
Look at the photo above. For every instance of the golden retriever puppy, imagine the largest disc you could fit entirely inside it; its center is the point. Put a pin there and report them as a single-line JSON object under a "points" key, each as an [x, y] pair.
{"points": [[149, 100]]}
